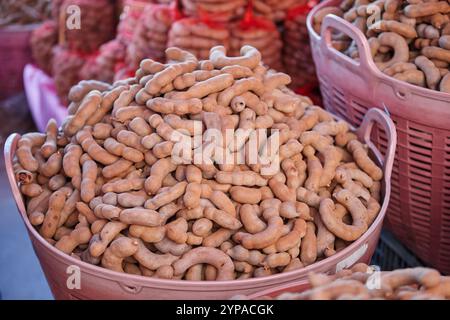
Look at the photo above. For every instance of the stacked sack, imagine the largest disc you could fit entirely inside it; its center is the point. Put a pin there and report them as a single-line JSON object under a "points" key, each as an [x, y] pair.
{"points": [[150, 37], [260, 33], [13, 12], [218, 10], [297, 57], [198, 36], [42, 40], [275, 10]]}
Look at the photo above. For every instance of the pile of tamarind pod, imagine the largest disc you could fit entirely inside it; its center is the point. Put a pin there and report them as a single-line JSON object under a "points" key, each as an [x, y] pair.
{"points": [[198, 36], [274, 10], [102, 67], [218, 10], [42, 41], [110, 188], [97, 25], [410, 40], [23, 11], [150, 37], [262, 34], [363, 282], [297, 57]]}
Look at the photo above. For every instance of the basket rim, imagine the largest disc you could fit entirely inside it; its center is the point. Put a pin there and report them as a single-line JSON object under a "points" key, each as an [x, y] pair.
{"points": [[189, 285]]}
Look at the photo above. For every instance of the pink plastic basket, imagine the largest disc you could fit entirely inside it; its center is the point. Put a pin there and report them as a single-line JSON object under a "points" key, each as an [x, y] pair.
{"points": [[15, 53], [100, 283], [419, 211]]}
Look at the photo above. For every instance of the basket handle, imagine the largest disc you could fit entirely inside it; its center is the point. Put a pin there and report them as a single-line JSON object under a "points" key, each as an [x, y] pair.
{"points": [[365, 65], [373, 116]]}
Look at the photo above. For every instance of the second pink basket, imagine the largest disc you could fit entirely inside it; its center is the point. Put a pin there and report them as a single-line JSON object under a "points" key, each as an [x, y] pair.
{"points": [[419, 211]]}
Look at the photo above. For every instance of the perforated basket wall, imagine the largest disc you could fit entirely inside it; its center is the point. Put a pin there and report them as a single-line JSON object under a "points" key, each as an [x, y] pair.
{"points": [[419, 210]]}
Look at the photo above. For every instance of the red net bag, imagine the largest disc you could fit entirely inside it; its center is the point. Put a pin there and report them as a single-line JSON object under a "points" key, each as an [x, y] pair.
{"points": [[221, 10], [150, 36], [97, 25], [260, 33], [297, 58], [275, 10], [66, 66], [198, 35], [42, 41]]}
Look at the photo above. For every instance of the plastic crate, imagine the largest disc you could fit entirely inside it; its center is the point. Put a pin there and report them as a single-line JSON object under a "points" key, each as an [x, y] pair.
{"points": [[390, 254]]}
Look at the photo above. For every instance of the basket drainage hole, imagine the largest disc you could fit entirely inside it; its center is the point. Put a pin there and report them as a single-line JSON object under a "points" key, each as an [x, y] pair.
{"points": [[401, 94], [131, 289]]}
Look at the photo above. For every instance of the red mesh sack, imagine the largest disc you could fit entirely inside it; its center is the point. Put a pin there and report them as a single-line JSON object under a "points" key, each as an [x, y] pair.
{"points": [[260, 33], [297, 58], [219, 10], [97, 25], [150, 37], [42, 41], [198, 35], [275, 10], [66, 68]]}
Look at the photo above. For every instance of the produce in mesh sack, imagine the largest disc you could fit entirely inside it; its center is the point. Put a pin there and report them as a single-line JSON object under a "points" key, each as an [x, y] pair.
{"points": [[97, 25], [363, 282], [275, 10], [150, 36], [260, 33], [42, 41], [217, 10], [13, 12], [297, 56], [143, 176], [410, 41], [198, 36]]}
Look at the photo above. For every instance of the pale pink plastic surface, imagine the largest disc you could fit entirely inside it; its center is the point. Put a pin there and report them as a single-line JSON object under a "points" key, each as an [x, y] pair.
{"points": [[419, 211], [100, 283]]}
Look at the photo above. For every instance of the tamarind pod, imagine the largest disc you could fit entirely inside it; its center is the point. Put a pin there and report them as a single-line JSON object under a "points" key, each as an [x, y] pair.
{"points": [[84, 209], [194, 273], [444, 42], [192, 195], [399, 45], [148, 234], [237, 72], [415, 77], [444, 86], [52, 166], [106, 211], [239, 87], [130, 112], [294, 265], [184, 81], [400, 28], [123, 185], [212, 256], [168, 246], [91, 147], [132, 199], [308, 197], [243, 178], [69, 207], [342, 176], [308, 254], [87, 108], [276, 260], [105, 105], [250, 57], [56, 204], [89, 175], [363, 161], [177, 230], [426, 9], [436, 53], [206, 87], [202, 75], [116, 168], [426, 277], [218, 237], [119, 249], [245, 195], [98, 245], [264, 238], [179, 107], [432, 74], [202, 227], [398, 68], [78, 236], [166, 197], [222, 218], [80, 90], [49, 147], [140, 216], [289, 240], [140, 127]]}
